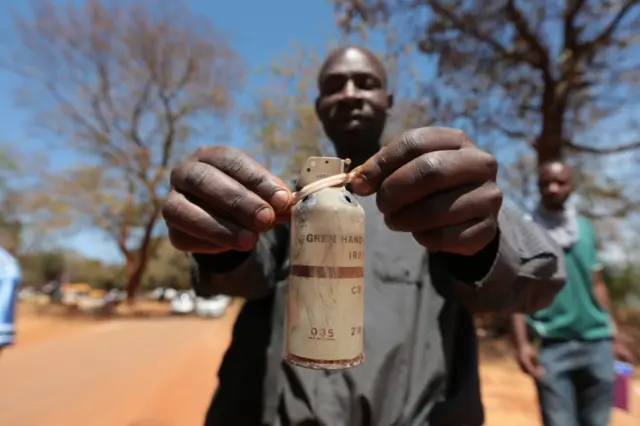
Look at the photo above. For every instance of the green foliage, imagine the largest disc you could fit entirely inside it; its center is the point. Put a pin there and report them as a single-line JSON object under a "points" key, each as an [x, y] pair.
{"points": [[52, 265], [167, 268], [93, 272]]}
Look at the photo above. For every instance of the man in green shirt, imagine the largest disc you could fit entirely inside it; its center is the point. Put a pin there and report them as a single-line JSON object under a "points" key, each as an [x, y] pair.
{"points": [[578, 341]]}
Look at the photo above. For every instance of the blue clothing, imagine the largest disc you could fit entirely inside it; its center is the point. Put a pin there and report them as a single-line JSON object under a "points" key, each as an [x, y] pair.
{"points": [[578, 385], [10, 277]]}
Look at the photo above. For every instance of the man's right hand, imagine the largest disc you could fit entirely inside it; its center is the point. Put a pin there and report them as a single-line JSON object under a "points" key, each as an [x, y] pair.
{"points": [[221, 200], [529, 361]]}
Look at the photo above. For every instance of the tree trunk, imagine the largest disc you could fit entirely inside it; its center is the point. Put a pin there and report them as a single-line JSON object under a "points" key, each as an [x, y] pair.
{"points": [[136, 268], [135, 274], [550, 142]]}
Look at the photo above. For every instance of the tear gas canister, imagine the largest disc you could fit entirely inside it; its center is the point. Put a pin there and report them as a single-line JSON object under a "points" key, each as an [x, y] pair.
{"points": [[325, 306]]}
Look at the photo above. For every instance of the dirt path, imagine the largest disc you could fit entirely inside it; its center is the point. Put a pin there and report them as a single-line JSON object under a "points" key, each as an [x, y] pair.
{"points": [[152, 372], [510, 399], [161, 372]]}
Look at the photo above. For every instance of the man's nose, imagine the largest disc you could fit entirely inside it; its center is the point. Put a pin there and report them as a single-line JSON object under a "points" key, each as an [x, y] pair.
{"points": [[350, 91], [553, 188]]}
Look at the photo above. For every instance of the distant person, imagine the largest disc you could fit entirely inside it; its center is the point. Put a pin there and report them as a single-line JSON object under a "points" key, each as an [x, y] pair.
{"points": [[578, 339], [10, 277], [53, 289], [439, 246]]}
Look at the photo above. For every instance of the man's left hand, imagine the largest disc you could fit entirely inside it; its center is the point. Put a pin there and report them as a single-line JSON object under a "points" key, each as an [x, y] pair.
{"points": [[621, 348], [435, 183]]}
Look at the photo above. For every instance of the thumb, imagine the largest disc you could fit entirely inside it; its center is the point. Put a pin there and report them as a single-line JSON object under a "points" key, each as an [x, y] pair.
{"points": [[537, 370], [528, 366]]}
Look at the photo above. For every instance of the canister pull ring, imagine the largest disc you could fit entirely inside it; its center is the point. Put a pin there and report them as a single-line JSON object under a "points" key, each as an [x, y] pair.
{"points": [[341, 179]]}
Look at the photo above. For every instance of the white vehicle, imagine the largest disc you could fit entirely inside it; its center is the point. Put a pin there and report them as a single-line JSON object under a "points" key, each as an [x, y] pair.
{"points": [[71, 298], [157, 293], [213, 307], [88, 303], [183, 303], [170, 293], [27, 293]]}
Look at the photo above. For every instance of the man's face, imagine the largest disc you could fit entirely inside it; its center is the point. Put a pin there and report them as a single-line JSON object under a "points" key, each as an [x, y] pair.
{"points": [[353, 101], [556, 184]]}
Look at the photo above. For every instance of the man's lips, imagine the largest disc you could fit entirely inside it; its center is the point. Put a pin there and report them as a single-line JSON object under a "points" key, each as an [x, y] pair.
{"points": [[348, 118]]}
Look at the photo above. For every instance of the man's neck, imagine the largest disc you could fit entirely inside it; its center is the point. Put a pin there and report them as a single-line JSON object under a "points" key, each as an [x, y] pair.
{"points": [[552, 213], [552, 209], [358, 155]]}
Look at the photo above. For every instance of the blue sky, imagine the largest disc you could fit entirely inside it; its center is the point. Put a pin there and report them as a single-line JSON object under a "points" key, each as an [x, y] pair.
{"points": [[258, 30]]}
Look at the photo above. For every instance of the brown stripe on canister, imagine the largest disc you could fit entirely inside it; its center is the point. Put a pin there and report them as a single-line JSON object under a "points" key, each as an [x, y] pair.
{"points": [[308, 271]]}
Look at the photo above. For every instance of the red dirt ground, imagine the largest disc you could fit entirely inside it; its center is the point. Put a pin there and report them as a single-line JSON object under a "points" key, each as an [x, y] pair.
{"points": [[161, 371]]}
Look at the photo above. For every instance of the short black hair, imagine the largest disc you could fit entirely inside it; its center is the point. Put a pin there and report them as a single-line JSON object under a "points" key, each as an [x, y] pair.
{"points": [[555, 160], [339, 51]]}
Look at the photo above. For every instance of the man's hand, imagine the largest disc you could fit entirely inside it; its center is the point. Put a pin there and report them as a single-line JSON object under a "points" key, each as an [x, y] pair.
{"points": [[529, 361], [434, 183], [221, 200], [621, 348]]}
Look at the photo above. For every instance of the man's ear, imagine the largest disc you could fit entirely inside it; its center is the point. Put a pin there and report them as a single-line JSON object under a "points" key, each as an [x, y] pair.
{"points": [[317, 106], [389, 101]]}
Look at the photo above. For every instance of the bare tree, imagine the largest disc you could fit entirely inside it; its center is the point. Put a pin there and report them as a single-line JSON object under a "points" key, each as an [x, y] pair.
{"points": [[128, 86], [556, 75], [282, 122], [541, 71], [10, 224]]}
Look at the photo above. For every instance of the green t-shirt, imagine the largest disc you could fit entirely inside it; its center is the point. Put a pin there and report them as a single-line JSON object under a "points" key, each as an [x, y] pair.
{"points": [[575, 313]]}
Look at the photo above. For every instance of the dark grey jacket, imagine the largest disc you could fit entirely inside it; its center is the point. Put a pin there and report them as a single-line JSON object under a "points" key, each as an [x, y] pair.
{"points": [[421, 364]]}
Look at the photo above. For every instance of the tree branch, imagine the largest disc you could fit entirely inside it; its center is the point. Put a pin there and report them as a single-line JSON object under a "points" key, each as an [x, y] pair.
{"points": [[531, 39], [483, 38], [608, 31], [610, 150], [571, 33], [136, 115]]}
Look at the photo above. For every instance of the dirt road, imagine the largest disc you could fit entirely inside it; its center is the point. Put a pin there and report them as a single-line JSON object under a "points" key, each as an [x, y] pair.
{"points": [[152, 372], [510, 399], [161, 372]]}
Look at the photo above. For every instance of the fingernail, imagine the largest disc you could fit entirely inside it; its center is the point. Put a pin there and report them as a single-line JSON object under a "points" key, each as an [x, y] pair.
{"points": [[361, 185], [246, 239], [265, 217], [280, 199]]}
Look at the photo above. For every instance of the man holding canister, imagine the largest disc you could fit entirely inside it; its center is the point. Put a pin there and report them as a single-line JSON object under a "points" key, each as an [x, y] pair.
{"points": [[439, 246]]}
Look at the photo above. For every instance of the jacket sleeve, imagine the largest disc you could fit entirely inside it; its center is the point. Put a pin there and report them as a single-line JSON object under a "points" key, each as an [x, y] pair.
{"points": [[521, 271], [250, 275]]}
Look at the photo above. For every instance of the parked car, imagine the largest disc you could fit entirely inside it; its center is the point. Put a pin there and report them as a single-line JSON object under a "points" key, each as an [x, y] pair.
{"points": [[213, 307], [183, 303], [170, 293], [70, 294], [27, 293]]}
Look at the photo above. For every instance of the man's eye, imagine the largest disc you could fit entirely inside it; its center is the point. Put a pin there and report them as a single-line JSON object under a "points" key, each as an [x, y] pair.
{"points": [[366, 82], [332, 85]]}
